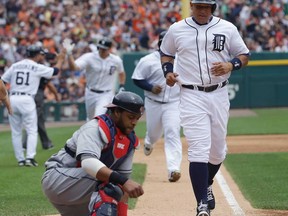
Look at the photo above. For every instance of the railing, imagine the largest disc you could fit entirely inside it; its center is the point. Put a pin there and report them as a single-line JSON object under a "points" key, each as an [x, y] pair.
{"points": [[61, 111]]}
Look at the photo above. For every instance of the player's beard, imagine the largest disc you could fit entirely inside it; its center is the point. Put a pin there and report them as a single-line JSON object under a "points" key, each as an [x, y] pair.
{"points": [[121, 126]]}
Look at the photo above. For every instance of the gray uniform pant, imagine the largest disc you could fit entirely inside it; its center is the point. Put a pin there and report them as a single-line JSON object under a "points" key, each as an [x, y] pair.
{"points": [[69, 190]]}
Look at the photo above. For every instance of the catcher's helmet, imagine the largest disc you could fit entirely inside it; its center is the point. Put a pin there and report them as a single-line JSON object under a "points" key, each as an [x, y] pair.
{"points": [[128, 101], [33, 50], [211, 2], [104, 43], [161, 36]]}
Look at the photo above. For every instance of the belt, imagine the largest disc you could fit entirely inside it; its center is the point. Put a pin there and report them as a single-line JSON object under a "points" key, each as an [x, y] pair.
{"points": [[69, 151], [20, 93], [207, 88], [98, 91], [161, 102]]}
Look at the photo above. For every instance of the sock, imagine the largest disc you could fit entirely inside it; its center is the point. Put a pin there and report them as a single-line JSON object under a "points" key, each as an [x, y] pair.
{"points": [[122, 209], [212, 171], [199, 179]]}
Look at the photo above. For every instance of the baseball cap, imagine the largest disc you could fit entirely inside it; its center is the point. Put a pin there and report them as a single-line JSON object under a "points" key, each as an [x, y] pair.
{"points": [[104, 43]]}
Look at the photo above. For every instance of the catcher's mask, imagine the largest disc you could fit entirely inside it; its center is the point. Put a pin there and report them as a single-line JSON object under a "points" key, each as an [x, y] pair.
{"points": [[210, 2], [128, 101]]}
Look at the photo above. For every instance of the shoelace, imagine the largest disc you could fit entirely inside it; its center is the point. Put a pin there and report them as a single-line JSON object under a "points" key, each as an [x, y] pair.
{"points": [[209, 193]]}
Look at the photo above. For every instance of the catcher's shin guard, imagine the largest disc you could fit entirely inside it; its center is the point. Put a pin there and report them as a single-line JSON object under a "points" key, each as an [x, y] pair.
{"points": [[105, 203], [122, 209]]}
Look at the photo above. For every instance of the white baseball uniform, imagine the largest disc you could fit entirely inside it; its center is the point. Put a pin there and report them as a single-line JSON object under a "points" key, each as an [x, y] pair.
{"points": [[166, 119], [101, 76], [24, 77], [204, 115]]}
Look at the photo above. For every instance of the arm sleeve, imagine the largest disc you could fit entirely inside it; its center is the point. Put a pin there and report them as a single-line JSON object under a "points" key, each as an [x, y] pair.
{"points": [[143, 84]]}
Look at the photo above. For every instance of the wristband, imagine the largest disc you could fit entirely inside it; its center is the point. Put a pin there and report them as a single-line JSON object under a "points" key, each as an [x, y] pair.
{"points": [[167, 67], [117, 178], [121, 85], [236, 63]]}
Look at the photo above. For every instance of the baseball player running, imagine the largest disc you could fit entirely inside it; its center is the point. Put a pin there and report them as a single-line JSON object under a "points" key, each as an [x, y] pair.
{"points": [[24, 77], [101, 69], [4, 98], [208, 49], [93, 168], [148, 75]]}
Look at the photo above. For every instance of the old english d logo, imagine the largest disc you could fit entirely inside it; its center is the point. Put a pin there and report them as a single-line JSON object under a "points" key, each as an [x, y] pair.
{"points": [[218, 41], [121, 146]]}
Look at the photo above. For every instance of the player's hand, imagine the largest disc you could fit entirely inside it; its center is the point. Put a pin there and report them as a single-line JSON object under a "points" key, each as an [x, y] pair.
{"points": [[156, 89], [121, 88], [133, 189], [68, 45], [171, 79], [221, 68], [5, 100]]}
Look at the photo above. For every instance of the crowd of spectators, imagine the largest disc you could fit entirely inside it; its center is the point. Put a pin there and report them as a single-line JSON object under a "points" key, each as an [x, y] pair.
{"points": [[134, 25]]}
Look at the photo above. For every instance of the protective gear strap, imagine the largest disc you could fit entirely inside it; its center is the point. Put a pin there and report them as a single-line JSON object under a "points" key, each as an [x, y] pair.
{"points": [[122, 209], [92, 166], [104, 131]]}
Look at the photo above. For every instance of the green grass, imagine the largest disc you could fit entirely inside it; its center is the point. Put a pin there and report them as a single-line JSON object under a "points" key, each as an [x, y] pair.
{"points": [[262, 178], [266, 121]]}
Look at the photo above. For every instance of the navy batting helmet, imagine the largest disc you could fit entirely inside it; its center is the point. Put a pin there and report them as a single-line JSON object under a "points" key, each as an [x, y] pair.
{"points": [[104, 43], [128, 101], [34, 50], [161, 36], [211, 2]]}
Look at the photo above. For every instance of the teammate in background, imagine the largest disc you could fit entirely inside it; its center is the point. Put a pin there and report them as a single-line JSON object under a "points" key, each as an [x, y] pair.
{"points": [[98, 156], [208, 49], [148, 75], [24, 77], [101, 69], [51, 59], [4, 98]]}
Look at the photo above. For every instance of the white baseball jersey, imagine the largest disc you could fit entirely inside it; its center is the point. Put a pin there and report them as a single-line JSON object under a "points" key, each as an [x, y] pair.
{"points": [[201, 45], [149, 69], [24, 78], [166, 120], [100, 73]]}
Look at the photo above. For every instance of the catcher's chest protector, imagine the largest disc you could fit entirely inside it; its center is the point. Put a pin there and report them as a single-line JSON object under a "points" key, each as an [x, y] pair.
{"points": [[119, 145]]}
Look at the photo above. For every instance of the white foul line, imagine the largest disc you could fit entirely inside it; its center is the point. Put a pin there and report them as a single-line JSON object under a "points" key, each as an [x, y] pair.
{"points": [[229, 195]]}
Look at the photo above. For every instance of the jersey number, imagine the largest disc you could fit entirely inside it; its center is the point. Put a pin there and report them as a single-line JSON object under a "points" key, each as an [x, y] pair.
{"points": [[22, 78]]}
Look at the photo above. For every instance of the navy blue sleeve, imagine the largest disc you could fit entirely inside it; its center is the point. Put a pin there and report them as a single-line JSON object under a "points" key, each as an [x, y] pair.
{"points": [[56, 71], [143, 84]]}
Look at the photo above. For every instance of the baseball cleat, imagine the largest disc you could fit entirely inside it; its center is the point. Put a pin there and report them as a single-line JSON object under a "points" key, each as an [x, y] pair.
{"points": [[31, 162], [21, 163], [202, 209], [49, 147], [210, 198], [174, 176], [148, 149]]}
